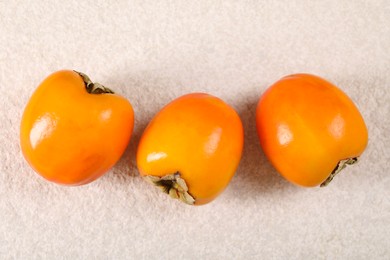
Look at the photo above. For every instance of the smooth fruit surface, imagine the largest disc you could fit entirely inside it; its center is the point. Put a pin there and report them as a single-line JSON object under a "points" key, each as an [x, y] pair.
{"points": [[70, 136], [192, 148], [309, 129]]}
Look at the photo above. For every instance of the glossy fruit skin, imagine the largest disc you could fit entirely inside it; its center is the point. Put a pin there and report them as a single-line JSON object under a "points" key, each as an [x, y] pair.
{"points": [[306, 126], [70, 136], [198, 136]]}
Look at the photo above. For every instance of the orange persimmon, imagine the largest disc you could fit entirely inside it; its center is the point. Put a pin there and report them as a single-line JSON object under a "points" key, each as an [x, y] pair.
{"points": [[72, 130], [309, 129], [192, 148]]}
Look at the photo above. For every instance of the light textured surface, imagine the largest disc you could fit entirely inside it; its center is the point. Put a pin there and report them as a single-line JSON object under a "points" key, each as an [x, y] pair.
{"points": [[154, 51]]}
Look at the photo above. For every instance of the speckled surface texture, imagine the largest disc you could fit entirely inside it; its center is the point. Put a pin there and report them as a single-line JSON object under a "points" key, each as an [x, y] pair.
{"points": [[154, 51]]}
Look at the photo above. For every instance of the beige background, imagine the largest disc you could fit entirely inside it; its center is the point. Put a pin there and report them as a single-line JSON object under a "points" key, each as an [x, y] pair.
{"points": [[154, 51]]}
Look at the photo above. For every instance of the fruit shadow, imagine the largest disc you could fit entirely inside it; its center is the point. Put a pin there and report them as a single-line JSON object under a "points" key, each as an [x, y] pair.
{"points": [[148, 95], [255, 175]]}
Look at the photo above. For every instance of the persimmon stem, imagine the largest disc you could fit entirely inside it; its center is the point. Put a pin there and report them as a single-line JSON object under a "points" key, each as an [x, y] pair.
{"points": [[173, 185], [340, 166], [94, 88]]}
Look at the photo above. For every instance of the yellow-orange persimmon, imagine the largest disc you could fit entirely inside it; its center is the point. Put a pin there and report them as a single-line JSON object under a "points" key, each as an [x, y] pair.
{"points": [[309, 129], [73, 130], [191, 148]]}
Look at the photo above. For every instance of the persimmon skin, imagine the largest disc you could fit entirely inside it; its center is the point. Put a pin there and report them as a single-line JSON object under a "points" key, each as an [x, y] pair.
{"points": [[70, 136], [306, 126], [200, 137]]}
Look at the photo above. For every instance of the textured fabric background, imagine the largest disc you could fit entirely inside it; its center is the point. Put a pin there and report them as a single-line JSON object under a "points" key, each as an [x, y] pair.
{"points": [[154, 51]]}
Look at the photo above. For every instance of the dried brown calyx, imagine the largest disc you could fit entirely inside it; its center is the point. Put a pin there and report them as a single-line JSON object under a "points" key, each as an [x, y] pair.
{"points": [[340, 166], [173, 185], [94, 88]]}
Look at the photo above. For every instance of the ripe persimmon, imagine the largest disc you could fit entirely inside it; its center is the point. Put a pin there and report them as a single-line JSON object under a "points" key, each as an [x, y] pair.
{"points": [[309, 129], [72, 130], [192, 148]]}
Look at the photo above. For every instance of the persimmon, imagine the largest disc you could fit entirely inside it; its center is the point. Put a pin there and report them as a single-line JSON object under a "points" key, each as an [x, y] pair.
{"points": [[192, 148], [72, 130], [309, 129]]}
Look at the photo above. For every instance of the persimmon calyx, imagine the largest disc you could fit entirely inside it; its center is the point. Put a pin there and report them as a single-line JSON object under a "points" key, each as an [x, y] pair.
{"points": [[340, 166], [94, 88], [173, 185]]}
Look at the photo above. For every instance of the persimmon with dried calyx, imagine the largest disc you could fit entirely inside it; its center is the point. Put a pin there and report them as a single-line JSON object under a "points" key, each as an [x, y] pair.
{"points": [[72, 130], [192, 148], [309, 129]]}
